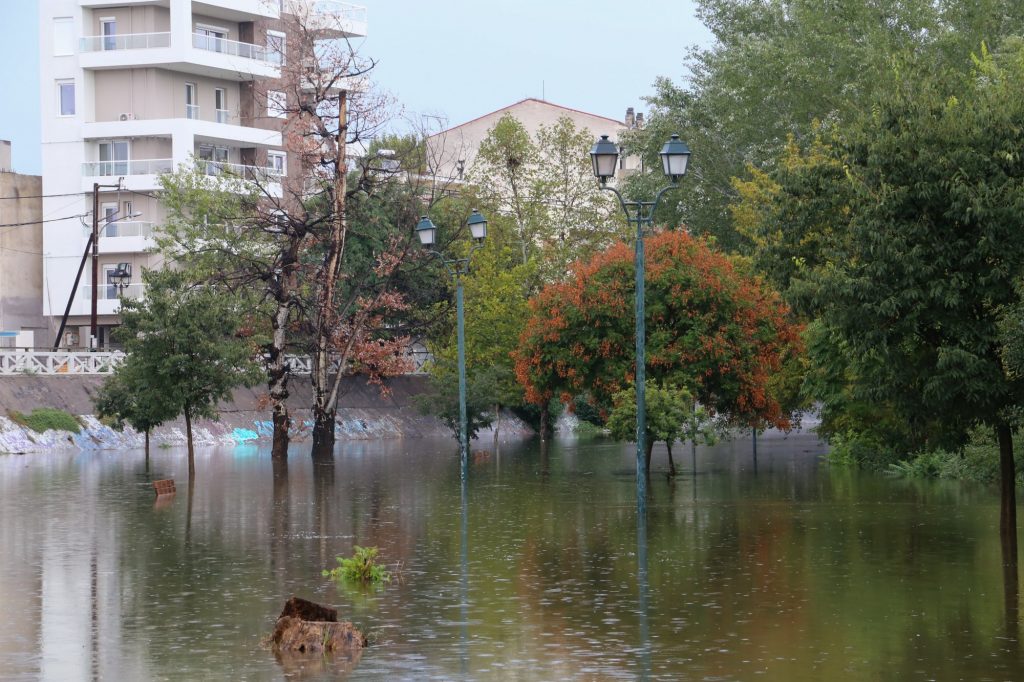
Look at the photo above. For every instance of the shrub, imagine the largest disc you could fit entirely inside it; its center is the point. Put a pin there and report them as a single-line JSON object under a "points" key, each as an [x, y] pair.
{"points": [[45, 418], [361, 567]]}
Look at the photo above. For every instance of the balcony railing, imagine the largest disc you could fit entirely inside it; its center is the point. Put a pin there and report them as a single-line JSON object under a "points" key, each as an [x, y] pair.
{"points": [[130, 167], [110, 292], [192, 111], [217, 168], [124, 228], [342, 10], [234, 48], [223, 116], [129, 41]]}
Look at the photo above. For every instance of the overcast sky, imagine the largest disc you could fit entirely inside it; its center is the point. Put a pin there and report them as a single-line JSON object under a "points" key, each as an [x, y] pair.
{"points": [[455, 58]]}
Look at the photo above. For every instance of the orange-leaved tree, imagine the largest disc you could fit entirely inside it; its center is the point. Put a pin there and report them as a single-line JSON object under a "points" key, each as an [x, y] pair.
{"points": [[717, 332]]}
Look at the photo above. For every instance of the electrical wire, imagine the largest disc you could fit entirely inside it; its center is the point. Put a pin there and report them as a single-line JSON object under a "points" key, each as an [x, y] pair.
{"points": [[39, 222]]}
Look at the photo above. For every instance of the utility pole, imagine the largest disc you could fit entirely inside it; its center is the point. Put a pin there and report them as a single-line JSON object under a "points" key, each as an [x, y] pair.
{"points": [[94, 341]]}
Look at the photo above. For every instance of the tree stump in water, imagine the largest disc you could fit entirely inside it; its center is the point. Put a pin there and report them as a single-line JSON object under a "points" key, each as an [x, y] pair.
{"points": [[305, 628]]}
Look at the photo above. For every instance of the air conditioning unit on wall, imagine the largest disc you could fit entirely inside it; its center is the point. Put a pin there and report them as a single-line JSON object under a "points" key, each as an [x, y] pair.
{"points": [[127, 116]]}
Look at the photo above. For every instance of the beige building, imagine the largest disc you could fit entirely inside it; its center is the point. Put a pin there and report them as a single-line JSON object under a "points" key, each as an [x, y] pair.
{"points": [[135, 88], [451, 152], [21, 257]]}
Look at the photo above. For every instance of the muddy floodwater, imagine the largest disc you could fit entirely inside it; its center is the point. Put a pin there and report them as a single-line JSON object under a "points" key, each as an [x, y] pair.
{"points": [[776, 569]]}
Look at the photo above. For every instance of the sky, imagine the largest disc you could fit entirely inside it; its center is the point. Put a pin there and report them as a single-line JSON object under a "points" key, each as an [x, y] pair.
{"points": [[457, 59]]}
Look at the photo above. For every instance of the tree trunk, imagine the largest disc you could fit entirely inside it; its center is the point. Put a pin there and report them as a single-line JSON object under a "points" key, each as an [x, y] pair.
{"points": [[277, 380], [323, 434], [671, 464], [649, 446], [497, 421], [545, 417], [326, 324], [191, 450], [147, 445], [1008, 481]]}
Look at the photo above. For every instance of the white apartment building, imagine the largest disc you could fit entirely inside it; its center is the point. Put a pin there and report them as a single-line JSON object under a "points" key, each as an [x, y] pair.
{"points": [[131, 89]]}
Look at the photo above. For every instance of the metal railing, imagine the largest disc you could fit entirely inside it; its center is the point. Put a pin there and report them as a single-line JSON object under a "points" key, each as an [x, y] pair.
{"points": [[128, 41], [192, 111], [111, 292], [234, 48], [223, 115], [124, 228], [341, 10], [58, 363], [246, 172], [128, 167]]}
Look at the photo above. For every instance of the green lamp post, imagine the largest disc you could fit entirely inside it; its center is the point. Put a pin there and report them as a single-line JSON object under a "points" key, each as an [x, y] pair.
{"points": [[457, 267], [674, 157]]}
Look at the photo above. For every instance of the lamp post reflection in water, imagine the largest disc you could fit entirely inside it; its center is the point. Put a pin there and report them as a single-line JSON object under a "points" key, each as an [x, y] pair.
{"points": [[464, 578], [643, 596]]}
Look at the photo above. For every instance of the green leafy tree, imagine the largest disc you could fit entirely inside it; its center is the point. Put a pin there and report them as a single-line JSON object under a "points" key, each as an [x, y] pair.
{"points": [[184, 352], [129, 395], [911, 306], [671, 415]]}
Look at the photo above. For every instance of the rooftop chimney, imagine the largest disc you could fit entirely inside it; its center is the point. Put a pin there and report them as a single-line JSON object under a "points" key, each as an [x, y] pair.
{"points": [[640, 120], [629, 117], [5, 155]]}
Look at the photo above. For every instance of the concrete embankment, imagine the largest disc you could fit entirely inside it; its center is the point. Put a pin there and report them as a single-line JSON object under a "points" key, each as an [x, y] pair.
{"points": [[364, 413]]}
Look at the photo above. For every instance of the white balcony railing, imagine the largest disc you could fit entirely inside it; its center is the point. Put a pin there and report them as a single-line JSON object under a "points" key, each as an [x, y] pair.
{"points": [[124, 228], [129, 41], [58, 363], [216, 168], [130, 167], [223, 116], [234, 48], [192, 111], [110, 292], [341, 10]]}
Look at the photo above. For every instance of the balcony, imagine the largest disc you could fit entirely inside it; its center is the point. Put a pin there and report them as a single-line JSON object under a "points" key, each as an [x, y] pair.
{"points": [[224, 130], [199, 54], [232, 10], [108, 300], [142, 175], [238, 170], [338, 19], [124, 236]]}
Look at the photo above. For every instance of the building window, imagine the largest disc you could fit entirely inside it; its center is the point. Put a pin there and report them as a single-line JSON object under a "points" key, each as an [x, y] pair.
{"points": [[191, 101], [108, 29], [220, 103], [277, 162], [66, 98], [276, 46], [63, 36], [114, 157], [277, 104]]}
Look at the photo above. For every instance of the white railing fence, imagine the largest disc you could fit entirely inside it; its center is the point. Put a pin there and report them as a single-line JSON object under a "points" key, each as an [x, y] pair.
{"points": [[60, 363]]}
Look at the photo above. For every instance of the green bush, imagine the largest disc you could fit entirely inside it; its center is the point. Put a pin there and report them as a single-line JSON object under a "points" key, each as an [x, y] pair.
{"points": [[45, 418], [859, 449], [977, 461], [361, 567]]}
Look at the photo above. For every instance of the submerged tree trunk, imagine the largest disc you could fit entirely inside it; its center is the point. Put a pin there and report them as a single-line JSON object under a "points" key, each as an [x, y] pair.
{"points": [[191, 450], [545, 417], [497, 421], [649, 446], [277, 380], [671, 464], [147, 445], [323, 434], [1008, 481]]}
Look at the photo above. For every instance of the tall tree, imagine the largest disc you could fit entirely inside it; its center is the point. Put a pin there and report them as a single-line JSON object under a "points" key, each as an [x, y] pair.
{"points": [[184, 353], [711, 330]]}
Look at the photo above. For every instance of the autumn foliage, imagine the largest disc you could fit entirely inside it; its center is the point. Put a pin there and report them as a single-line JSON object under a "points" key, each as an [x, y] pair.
{"points": [[711, 329]]}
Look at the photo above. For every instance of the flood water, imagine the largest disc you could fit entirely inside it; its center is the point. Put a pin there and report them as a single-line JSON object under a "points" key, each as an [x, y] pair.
{"points": [[537, 570]]}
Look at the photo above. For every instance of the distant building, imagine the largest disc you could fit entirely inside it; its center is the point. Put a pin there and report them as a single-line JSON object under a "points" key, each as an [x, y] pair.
{"points": [[451, 152], [21, 257]]}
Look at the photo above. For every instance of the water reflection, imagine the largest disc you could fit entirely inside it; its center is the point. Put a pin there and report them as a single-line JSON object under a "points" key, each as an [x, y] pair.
{"points": [[540, 568]]}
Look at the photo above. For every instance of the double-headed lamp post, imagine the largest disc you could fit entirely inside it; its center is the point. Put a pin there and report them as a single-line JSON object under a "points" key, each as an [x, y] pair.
{"points": [[674, 157], [457, 267]]}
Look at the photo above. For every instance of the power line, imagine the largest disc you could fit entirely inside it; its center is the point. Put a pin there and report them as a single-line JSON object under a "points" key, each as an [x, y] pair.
{"points": [[45, 196], [39, 222]]}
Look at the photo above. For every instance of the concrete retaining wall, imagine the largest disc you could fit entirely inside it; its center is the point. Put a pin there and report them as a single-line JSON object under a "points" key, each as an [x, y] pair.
{"points": [[363, 414]]}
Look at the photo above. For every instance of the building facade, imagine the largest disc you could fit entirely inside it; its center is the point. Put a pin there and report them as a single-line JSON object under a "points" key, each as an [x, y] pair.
{"points": [[451, 152], [131, 89], [21, 265]]}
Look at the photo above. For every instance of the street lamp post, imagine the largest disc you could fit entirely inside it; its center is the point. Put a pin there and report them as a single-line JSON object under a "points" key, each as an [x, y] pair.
{"points": [[122, 277], [457, 267], [674, 157]]}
